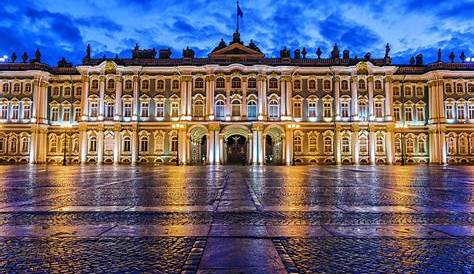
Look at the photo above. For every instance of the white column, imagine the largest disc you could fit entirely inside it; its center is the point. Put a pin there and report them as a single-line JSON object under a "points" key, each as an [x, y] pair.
{"points": [[255, 147], [337, 140], [289, 97], [101, 97], [83, 144], [283, 99], [189, 85], [221, 149], [355, 100], [118, 98], [372, 147], [337, 98], [289, 146], [442, 144], [261, 146], [85, 96], [135, 97], [183, 98], [355, 147], [227, 108], [388, 98], [243, 106], [389, 146], [117, 140], [100, 146], [250, 149], [370, 86], [211, 94], [134, 146]]}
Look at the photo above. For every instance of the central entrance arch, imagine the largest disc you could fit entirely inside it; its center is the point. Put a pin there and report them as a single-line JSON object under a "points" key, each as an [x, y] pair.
{"points": [[236, 148], [198, 145]]}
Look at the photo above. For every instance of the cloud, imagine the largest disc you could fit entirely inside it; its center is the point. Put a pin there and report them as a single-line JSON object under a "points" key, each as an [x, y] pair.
{"points": [[114, 26]]}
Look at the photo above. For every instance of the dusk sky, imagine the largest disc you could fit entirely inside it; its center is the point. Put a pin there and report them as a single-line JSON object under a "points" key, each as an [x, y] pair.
{"points": [[64, 28]]}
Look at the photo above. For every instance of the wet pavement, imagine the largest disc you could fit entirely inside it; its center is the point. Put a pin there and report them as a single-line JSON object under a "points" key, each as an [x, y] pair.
{"points": [[223, 219]]}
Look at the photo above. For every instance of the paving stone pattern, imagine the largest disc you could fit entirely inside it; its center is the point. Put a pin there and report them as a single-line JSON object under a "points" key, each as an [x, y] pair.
{"points": [[236, 219]]}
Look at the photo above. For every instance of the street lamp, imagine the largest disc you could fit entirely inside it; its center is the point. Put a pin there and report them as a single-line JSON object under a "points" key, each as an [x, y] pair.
{"points": [[293, 127], [66, 126], [177, 126]]}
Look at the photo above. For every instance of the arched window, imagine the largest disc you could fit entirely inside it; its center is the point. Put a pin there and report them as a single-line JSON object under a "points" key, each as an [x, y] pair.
{"points": [[236, 83], [410, 145], [198, 108], [95, 84], [2, 145], [252, 83], [461, 111], [463, 145], [144, 144], [4, 110], [363, 145], [93, 109], [327, 85], [398, 145], [273, 83], [144, 109], [346, 145], [145, 84], [27, 87], [199, 83], [159, 143], [127, 109], [447, 88], [175, 85], [312, 109], [298, 141], [126, 144], [362, 84], [363, 109], [327, 145], [379, 144], [419, 92], [174, 109], [53, 144], [13, 144], [109, 109], [378, 84], [408, 92], [252, 109], [421, 145], [67, 92], [110, 84], [109, 144], [470, 88], [312, 144], [25, 144], [5, 88], [327, 109], [55, 92], [174, 144], [312, 84], [128, 85], [297, 85], [220, 83], [92, 144], [160, 85], [235, 107], [344, 109], [451, 145], [273, 109], [345, 85], [16, 87], [459, 88], [160, 109], [449, 109], [396, 91], [378, 106], [219, 109]]}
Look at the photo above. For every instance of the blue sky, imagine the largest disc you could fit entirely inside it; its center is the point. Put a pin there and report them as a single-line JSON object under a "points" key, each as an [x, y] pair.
{"points": [[64, 28]]}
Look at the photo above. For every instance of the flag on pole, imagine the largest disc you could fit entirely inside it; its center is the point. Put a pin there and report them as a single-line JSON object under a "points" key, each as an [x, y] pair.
{"points": [[239, 11]]}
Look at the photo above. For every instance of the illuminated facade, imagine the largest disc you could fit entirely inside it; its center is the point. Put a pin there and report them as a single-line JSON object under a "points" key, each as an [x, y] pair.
{"points": [[237, 106]]}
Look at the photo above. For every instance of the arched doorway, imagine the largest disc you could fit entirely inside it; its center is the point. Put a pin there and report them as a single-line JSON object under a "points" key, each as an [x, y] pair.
{"points": [[273, 145], [236, 149], [198, 145]]}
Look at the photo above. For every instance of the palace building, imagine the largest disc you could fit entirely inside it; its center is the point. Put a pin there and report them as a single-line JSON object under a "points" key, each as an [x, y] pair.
{"points": [[237, 106]]}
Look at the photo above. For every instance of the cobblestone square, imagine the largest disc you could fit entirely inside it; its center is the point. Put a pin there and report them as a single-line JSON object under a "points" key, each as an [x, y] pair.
{"points": [[249, 219]]}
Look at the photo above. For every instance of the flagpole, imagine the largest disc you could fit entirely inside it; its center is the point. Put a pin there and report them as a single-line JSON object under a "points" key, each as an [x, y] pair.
{"points": [[237, 15]]}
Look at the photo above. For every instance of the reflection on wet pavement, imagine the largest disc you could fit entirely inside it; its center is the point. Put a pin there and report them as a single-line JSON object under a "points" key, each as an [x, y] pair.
{"points": [[221, 218]]}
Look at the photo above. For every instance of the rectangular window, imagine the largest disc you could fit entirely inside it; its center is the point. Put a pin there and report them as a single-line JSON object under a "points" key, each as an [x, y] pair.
{"points": [[235, 109], [297, 112], [144, 110], [109, 110], [312, 110], [449, 111], [378, 109], [273, 111], [420, 114], [396, 113], [220, 110], [408, 114], [127, 109], [66, 114], [26, 112], [252, 110], [15, 112], [54, 114], [4, 111], [471, 111], [313, 145], [160, 110], [344, 109], [327, 110], [77, 114], [174, 109], [94, 109], [461, 115]]}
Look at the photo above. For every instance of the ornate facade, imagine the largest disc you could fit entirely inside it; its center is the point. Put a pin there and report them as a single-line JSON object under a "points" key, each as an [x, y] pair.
{"points": [[237, 106]]}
